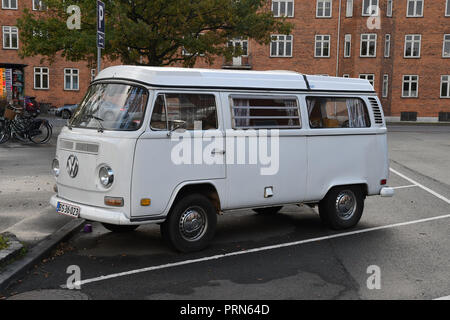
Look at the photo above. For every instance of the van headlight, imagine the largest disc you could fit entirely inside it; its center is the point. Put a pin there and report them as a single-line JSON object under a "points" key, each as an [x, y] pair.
{"points": [[106, 176], [55, 167]]}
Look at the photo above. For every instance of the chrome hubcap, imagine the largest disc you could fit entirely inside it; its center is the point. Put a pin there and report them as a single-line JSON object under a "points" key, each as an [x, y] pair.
{"points": [[346, 204], [193, 223]]}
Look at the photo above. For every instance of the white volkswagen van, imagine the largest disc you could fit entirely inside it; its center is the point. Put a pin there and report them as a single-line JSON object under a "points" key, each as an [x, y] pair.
{"points": [[179, 146]]}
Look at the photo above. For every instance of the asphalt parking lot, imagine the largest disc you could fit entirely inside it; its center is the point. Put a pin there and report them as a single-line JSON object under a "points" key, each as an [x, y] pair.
{"points": [[289, 255]]}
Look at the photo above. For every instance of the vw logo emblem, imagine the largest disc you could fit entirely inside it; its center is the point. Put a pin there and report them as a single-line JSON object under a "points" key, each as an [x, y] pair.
{"points": [[72, 166]]}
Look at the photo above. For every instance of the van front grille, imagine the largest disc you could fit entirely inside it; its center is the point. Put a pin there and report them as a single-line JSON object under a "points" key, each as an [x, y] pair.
{"points": [[79, 146], [376, 111]]}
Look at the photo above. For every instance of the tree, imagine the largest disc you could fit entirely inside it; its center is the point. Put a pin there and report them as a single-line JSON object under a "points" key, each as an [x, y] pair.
{"points": [[149, 32]]}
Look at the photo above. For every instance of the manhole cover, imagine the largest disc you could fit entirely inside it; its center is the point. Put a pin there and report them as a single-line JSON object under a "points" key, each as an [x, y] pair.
{"points": [[51, 294]]}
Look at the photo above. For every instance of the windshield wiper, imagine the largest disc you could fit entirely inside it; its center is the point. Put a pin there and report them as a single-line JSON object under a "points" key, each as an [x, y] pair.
{"points": [[99, 120]]}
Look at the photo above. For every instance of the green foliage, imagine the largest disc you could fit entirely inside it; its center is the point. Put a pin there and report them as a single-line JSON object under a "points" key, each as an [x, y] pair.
{"points": [[156, 30], [3, 243]]}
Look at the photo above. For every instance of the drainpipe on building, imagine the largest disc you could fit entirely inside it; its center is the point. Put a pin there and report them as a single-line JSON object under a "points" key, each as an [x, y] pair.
{"points": [[338, 39]]}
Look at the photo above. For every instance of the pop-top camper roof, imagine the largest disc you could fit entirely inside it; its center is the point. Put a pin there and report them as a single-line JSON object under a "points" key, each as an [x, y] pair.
{"points": [[233, 79]]}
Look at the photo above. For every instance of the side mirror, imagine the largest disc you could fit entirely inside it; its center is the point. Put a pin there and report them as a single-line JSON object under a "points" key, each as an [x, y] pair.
{"points": [[176, 124]]}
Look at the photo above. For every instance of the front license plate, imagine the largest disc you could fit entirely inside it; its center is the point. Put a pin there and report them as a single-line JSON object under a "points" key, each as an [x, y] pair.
{"points": [[68, 209]]}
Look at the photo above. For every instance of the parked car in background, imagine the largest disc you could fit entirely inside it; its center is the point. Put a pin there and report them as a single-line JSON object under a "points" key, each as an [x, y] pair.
{"points": [[66, 111]]}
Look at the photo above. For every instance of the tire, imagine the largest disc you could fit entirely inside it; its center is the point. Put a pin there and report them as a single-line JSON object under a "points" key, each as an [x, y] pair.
{"points": [[5, 134], [191, 223], [120, 228], [270, 210], [46, 129], [65, 114], [342, 207]]}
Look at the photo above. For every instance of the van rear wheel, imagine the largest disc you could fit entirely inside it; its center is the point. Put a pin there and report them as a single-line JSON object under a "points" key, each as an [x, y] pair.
{"points": [[342, 207], [120, 228], [269, 210], [191, 223]]}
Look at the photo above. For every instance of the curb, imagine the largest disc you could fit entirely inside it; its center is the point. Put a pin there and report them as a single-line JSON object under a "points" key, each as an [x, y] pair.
{"points": [[13, 250], [414, 123], [18, 268]]}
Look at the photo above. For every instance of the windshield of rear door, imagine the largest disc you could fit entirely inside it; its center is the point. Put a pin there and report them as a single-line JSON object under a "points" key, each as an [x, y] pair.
{"points": [[111, 106]]}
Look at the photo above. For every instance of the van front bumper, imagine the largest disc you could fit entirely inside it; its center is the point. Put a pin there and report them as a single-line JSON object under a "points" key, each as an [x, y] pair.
{"points": [[95, 213]]}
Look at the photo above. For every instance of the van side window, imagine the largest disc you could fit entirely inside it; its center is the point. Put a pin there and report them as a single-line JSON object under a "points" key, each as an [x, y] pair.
{"points": [[185, 108], [269, 112], [329, 112]]}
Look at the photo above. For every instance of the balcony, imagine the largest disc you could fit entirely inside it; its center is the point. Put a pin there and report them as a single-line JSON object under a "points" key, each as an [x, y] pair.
{"points": [[238, 63]]}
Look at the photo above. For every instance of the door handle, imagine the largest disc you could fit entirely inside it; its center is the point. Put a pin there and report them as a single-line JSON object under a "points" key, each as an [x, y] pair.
{"points": [[217, 152]]}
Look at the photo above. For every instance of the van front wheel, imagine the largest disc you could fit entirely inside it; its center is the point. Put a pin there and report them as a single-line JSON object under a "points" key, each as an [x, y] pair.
{"points": [[342, 207], [191, 223]]}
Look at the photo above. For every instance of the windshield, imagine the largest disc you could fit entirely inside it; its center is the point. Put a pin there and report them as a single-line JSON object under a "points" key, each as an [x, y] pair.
{"points": [[111, 106]]}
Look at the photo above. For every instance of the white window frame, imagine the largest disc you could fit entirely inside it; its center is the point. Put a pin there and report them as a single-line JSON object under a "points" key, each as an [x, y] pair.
{"points": [[369, 35], [9, 7], [371, 3], [345, 75], [413, 41], [93, 74], [446, 40], [448, 86], [349, 9], [41, 74], [347, 40], [385, 88], [70, 72], [414, 15], [277, 43], [410, 81], [366, 76], [324, 3], [42, 6], [279, 14], [9, 31], [389, 8], [322, 41], [447, 8], [387, 45]]}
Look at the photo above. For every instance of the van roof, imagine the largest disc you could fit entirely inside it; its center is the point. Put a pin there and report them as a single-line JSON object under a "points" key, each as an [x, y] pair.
{"points": [[233, 79]]}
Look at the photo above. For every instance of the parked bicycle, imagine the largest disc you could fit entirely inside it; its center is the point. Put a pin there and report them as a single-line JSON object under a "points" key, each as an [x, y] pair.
{"points": [[22, 124]]}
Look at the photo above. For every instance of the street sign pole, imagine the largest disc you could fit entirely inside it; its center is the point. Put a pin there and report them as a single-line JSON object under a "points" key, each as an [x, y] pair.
{"points": [[100, 33]]}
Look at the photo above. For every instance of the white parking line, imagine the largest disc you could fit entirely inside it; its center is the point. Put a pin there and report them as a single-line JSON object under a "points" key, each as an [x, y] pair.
{"points": [[266, 248], [404, 187], [434, 193]]}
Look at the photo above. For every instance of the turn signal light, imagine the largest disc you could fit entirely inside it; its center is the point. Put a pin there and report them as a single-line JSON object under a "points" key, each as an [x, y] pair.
{"points": [[145, 202], [114, 201]]}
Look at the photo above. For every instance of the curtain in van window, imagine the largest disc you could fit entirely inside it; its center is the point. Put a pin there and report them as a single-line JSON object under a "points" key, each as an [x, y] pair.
{"points": [[310, 102], [356, 113], [241, 112]]}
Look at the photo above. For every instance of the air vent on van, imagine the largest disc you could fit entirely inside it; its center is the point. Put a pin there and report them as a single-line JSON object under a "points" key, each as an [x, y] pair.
{"points": [[376, 110], [79, 146]]}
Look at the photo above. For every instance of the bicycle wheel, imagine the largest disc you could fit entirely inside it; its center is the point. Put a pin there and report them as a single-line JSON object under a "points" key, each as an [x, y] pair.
{"points": [[5, 133], [41, 134]]}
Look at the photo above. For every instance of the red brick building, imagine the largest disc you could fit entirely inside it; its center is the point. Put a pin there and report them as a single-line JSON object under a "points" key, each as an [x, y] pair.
{"points": [[402, 46]]}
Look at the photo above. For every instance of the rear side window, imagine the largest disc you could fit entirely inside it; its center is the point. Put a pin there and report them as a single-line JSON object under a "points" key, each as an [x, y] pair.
{"points": [[265, 112], [184, 109], [329, 112]]}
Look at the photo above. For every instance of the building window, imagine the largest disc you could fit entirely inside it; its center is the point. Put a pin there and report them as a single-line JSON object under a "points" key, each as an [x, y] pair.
{"points": [[38, 5], [41, 78], [349, 9], [369, 77], [410, 86], [446, 49], [412, 45], [346, 75], [71, 79], [447, 8], [9, 4], [347, 45], [445, 86], [370, 8], [415, 8], [368, 45], [390, 4], [281, 46], [385, 86], [322, 46], [324, 8], [283, 8], [387, 46], [10, 38], [93, 74]]}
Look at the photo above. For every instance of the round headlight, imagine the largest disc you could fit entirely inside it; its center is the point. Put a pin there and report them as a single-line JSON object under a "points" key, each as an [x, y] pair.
{"points": [[55, 167], [106, 176]]}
